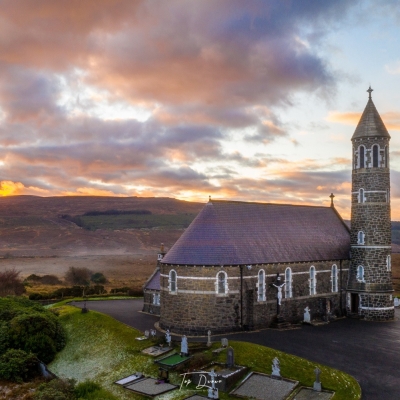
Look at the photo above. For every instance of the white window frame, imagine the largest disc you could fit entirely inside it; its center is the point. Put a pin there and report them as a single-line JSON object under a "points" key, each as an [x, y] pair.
{"points": [[225, 282], [389, 263], [288, 281], [313, 281], [334, 279], [156, 299], [360, 274], [261, 296], [361, 195], [171, 282], [360, 237]]}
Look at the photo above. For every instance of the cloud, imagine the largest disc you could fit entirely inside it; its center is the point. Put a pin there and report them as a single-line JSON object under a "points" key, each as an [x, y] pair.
{"points": [[393, 68], [391, 119], [202, 80]]}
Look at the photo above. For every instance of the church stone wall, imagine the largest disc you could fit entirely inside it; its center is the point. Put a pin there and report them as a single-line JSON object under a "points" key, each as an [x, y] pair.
{"points": [[196, 307], [148, 305]]}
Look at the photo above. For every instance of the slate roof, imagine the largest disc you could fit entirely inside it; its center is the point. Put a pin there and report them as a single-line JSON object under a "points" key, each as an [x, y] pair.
{"points": [[239, 233], [370, 123], [154, 281]]}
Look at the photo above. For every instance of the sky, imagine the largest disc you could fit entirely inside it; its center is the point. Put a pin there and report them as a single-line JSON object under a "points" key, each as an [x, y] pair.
{"points": [[241, 100]]}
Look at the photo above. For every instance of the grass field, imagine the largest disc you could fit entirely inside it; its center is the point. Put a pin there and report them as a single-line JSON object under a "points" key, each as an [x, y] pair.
{"points": [[105, 350], [132, 221]]}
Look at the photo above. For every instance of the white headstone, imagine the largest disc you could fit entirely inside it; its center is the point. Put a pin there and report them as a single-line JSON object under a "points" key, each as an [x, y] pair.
{"points": [[276, 371], [184, 345], [212, 391], [396, 302], [224, 342], [146, 333], [307, 316], [168, 337], [317, 383]]}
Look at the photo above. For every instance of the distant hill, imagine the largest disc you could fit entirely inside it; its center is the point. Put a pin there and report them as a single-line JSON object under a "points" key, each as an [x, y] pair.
{"points": [[37, 226]]}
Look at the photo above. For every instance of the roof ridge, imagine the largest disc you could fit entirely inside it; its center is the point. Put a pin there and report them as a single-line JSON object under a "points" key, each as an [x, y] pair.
{"points": [[265, 204]]}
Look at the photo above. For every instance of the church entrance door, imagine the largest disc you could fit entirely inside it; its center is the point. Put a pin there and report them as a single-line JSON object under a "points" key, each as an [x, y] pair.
{"points": [[355, 302]]}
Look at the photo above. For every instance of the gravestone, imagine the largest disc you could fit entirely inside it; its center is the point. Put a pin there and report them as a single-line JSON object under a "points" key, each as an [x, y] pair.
{"points": [[168, 337], [307, 316], [230, 357], [224, 342], [163, 375], [184, 346], [146, 333], [209, 343], [213, 391], [317, 383], [396, 302], [276, 371], [153, 332]]}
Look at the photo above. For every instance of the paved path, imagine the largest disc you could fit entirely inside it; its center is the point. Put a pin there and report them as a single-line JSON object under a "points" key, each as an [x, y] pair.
{"points": [[369, 351]]}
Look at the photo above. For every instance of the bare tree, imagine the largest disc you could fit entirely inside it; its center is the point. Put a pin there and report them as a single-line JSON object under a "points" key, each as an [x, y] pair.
{"points": [[78, 276], [10, 283]]}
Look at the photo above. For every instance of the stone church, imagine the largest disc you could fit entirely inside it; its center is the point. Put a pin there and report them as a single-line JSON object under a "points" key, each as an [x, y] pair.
{"points": [[244, 265]]}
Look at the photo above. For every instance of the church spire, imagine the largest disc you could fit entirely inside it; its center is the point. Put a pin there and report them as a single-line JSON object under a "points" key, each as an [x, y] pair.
{"points": [[370, 124]]}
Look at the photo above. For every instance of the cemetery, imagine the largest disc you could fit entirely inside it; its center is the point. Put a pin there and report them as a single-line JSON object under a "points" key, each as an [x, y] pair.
{"points": [[217, 378], [136, 371]]}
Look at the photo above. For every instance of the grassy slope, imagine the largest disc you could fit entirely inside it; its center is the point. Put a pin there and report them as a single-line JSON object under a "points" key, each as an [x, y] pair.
{"points": [[102, 349]]}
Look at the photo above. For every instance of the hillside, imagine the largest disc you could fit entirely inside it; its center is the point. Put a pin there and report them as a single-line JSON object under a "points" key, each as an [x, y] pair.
{"points": [[34, 226]]}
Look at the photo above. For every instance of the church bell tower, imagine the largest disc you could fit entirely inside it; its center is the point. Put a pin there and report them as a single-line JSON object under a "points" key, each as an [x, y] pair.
{"points": [[369, 289]]}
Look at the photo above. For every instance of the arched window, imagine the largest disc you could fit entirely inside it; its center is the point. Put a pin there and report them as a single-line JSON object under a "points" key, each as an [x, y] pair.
{"points": [[360, 273], [386, 157], [261, 285], [361, 156], [361, 198], [334, 278], [375, 156], [288, 281], [222, 283], [389, 263], [313, 281], [172, 286], [360, 237]]}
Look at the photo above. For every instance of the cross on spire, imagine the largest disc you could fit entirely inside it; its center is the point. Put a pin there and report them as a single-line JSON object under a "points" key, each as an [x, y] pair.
{"points": [[332, 196], [370, 91]]}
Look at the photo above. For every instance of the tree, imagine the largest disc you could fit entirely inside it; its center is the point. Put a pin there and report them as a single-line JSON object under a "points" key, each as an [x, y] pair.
{"points": [[98, 277], [78, 276], [10, 283]]}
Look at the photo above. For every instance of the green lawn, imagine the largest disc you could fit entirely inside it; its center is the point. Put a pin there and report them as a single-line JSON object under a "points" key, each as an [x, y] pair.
{"points": [[133, 221], [105, 350]]}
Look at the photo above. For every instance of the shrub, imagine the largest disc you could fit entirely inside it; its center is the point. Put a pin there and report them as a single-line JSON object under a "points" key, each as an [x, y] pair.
{"points": [[10, 283], [35, 296], [56, 389], [50, 280], [98, 277], [33, 278], [90, 390], [4, 337], [18, 365], [39, 333]]}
